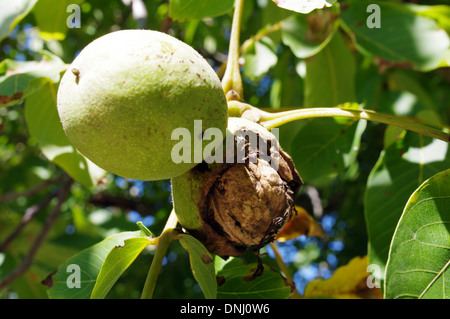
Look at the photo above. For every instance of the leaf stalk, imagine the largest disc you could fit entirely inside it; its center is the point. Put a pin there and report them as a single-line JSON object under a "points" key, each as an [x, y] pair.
{"points": [[163, 244], [284, 268], [272, 120], [275, 120]]}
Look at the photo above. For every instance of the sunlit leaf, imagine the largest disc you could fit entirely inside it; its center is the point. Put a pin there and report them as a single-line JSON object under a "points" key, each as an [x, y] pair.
{"points": [[20, 79], [348, 282], [403, 36], [259, 57], [11, 14], [303, 6], [117, 261], [202, 265], [51, 17], [90, 262], [440, 13], [419, 258]]}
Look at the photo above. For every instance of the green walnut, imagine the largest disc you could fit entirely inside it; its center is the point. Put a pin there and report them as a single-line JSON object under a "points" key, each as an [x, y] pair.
{"points": [[126, 92], [242, 202]]}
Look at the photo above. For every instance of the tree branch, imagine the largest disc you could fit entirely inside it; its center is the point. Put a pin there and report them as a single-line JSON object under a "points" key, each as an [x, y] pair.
{"points": [[30, 192], [105, 200], [27, 217], [62, 195]]}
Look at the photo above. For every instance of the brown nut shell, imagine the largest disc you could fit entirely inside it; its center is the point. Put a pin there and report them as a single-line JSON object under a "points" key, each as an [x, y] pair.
{"points": [[243, 204]]}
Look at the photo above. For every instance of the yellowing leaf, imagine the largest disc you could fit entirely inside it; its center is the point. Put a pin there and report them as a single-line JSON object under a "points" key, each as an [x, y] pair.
{"points": [[348, 282], [300, 224]]}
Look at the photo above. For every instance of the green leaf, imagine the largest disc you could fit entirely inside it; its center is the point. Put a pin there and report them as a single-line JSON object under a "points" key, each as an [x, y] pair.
{"points": [[117, 261], [330, 75], [51, 18], [145, 230], [408, 80], [404, 35], [237, 282], [273, 14], [198, 9], [20, 79], [90, 262], [11, 14], [303, 6], [50, 255], [306, 35], [401, 168], [322, 148], [201, 264], [259, 58], [419, 258], [45, 126], [287, 85]]}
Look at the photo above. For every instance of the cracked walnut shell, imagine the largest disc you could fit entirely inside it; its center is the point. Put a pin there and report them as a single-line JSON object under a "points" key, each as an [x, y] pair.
{"points": [[243, 202]]}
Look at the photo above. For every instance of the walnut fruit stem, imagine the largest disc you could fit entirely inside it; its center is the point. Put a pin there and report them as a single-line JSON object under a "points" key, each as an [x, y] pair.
{"points": [[163, 243], [232, 80]]}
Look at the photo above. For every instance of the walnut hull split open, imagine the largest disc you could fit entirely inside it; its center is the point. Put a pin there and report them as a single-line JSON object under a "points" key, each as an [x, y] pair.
{"points": [[243, 202]]}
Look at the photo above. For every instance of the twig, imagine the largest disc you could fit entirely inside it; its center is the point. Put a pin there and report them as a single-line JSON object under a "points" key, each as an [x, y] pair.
{"points": [[27, 217], [31, 191], [106, 200], [62, 195], [284, 268]]}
